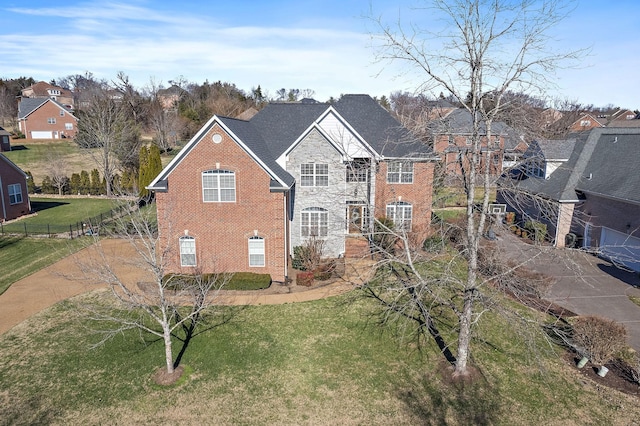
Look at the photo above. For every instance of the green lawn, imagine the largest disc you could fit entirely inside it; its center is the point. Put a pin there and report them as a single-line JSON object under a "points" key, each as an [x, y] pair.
{"points": [[20, 256], [59, 213], [314, 363]]}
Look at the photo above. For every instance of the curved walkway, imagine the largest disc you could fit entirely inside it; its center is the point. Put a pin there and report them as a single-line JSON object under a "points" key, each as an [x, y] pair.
{"points": [[72, 276]]}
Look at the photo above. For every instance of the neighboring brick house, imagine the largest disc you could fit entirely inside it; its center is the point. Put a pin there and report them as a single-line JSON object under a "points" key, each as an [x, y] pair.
{"points": [[586, 121], [5, 140], [44, 90], [594, 197], [242, 194], [44, 118], [452, 137], [14, 198]]}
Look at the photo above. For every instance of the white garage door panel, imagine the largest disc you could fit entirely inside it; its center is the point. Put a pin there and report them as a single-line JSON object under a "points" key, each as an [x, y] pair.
{"points": [[42, 135], [620, 248]]}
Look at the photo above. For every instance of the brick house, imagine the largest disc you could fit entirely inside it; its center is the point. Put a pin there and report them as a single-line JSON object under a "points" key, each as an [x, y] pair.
{"points": [[5, 140], [14, 198], [44, 90], [452, 136], [45, 118], [594, 196], [241, 194]]}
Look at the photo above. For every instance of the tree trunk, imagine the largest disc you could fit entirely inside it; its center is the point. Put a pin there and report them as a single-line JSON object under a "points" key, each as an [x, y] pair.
{"points": [[464, 335], [168, 353]]}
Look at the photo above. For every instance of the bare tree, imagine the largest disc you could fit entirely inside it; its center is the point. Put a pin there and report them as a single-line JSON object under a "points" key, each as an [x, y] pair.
{"points": [[161, 305], [483, 50], [106, 128], [57, 169]]}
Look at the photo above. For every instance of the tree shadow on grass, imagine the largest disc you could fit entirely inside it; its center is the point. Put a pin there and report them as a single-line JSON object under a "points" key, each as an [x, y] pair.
{"points": [[444, 400], [38, 206]]}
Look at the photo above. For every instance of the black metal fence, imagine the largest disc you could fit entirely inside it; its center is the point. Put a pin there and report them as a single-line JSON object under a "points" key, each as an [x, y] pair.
{"points": [[89, 226]]}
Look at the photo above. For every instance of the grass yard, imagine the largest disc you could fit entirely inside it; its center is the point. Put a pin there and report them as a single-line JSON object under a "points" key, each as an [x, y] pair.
{"points": [[35, 156], [455, 197], [314, 363], [23, 256], [59, 213]]}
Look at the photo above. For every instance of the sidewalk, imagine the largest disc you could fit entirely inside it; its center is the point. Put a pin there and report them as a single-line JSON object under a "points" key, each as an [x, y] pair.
{"points": [[585, 284], [66, 279]]}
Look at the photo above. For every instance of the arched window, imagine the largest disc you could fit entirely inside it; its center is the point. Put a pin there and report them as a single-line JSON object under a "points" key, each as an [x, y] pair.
{"points": [[219, 186], [187, 251], [401, 213], [314, 222], [256, 251]]}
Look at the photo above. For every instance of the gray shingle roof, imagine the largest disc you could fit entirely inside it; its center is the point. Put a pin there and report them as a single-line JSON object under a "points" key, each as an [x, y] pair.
{"points": [[280, 124], [27, 105], [612, 169], [460, 121], [248, 134], [597, 165], [551, 149]]}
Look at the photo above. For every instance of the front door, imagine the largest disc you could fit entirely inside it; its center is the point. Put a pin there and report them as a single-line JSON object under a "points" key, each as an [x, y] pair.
{"points": [[356, 218]]}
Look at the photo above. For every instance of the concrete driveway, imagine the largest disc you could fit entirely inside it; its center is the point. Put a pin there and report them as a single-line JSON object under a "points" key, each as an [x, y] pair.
{"points": [[585, 284]]}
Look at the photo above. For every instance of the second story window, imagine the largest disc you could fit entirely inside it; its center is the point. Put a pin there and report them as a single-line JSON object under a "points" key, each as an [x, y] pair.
{"points": [[51, 120], [313, 174], [61, 113], [358, 170], [399, 172], [219, 186]]}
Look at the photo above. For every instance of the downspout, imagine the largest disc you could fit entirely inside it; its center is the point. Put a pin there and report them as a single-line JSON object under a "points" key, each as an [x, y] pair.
{"points": [[285, 203], [4, 210]]}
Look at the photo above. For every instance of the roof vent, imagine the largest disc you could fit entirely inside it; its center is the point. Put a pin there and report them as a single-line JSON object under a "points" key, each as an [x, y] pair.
{"points": [[615, 139], [590, 176]]}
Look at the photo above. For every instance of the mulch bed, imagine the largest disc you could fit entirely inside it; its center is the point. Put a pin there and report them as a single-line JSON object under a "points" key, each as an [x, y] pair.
{"points": [[162, 378], [614, 379]]}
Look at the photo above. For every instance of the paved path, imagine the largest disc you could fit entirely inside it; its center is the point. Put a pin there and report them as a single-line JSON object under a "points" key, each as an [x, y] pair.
{"points": [[585, 284], [67, 278]]}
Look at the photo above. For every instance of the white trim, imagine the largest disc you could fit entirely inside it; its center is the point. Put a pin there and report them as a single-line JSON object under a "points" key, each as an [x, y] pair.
{"points": [[195, 257], [260, 251]]}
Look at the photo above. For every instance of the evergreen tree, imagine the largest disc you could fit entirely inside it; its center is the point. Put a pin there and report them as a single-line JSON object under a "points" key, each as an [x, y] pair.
{"points": [[31, 184], [74, 183], [85, 183], [96, 183]]}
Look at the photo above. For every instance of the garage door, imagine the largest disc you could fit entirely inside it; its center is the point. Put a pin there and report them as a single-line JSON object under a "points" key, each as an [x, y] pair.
{"points": [[620, 248], [42, 135]]}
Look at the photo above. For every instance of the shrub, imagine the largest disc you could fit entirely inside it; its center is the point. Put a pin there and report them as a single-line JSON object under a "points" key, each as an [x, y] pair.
{"points": [[238, 281], [383, 238], [599, 339], [308, 256], [433, 244], [510, 218], [304, 278], [538, 230], [325, 270]]}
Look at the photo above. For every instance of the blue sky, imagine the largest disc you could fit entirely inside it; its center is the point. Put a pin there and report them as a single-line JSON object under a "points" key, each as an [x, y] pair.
{"points": [[305, 44]]}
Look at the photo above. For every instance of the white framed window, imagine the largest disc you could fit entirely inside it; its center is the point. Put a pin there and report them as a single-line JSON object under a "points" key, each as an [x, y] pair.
{"points": [[401, 213], [61, 113], [219, 186], [585, 123], [68, 126], [187, 251], [256, 251], [15, 193], [314, 174], [51, 120], [400, 172], [358, 170], [314, 222]]}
